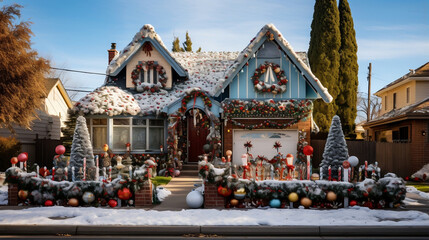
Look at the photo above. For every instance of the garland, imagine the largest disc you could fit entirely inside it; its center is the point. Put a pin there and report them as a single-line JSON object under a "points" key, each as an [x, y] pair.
{"points": [[193, 95], [162, 77], [296, 109], [265, 124], [260, 86]]}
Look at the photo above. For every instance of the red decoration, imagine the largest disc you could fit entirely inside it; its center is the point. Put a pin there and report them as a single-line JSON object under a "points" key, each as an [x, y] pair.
{"points": [[308, 150], [346, 164], [112, 203], [60, 149], [124, 194], [275, 88], [23, 194], [147, 48], [14, 160], [223, 191], [353, 203], [162, 75], [49, 203], [23, 157]]}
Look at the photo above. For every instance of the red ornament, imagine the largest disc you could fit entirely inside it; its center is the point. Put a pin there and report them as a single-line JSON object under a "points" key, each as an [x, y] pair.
{"points": [[23, 157], [60, 149], [49, 203], [223, 191], [353, 203], [308, 150], [124, 194], [346, 164], [14, 160], [112, 203]]}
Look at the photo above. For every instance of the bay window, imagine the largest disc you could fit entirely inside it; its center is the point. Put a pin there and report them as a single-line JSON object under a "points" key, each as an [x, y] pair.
{"points": [[143, 134]]}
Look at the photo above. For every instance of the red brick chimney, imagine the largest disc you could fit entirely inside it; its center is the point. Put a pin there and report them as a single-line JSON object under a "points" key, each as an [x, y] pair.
{"points": [[112, 52]]}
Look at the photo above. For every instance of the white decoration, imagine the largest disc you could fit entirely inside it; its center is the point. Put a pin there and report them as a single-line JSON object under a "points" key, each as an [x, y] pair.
{"points": [[194, 199], [353, 160]]}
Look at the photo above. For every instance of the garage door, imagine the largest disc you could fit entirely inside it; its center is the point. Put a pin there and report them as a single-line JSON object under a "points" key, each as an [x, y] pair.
{"points": [[263, 142]]}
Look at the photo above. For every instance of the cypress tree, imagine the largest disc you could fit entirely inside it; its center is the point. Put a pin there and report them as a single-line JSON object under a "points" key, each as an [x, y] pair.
{"points": [[348, 72], [324, 57], [68, 131], [176, 45], [187, 45]]}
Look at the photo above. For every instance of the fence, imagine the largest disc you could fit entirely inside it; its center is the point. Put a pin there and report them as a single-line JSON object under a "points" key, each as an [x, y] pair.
{"points": [[391, 157]]}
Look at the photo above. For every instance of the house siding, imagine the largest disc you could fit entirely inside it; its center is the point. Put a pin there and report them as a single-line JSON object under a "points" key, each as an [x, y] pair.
{"points": [[55, 105]]}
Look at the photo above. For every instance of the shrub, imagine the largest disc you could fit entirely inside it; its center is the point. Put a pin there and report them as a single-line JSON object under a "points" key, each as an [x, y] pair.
{"points": [[9, 147]]}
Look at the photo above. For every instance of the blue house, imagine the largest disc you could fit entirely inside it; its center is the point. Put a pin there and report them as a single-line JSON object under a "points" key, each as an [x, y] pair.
{"points": [[188, 103]]}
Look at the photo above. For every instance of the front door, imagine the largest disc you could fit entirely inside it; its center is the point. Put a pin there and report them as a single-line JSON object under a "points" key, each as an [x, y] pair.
{"points": [[197, 135]]}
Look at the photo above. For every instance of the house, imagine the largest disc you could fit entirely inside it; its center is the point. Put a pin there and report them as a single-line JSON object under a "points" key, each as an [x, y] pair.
{"points": [[203, 102], [45, 131], [404, 116]]}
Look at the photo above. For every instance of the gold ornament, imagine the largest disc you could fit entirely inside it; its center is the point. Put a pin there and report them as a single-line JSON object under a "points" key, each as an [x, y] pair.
{"points": [[23, 194], [306, 202], [234, 202], [73, 202], [331, 196], [293, 197], [314, 177]]}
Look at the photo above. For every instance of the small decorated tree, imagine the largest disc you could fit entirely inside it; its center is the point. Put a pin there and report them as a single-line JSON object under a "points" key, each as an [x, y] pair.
{"points": [[335, 149], [81, 148]]}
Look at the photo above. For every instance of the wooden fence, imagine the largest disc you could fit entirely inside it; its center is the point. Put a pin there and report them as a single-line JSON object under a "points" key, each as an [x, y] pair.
{"points": [[391, 157]]}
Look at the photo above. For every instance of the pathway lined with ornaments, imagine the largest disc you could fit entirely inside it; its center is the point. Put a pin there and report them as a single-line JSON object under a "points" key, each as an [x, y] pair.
{"points": [[180, 187]]}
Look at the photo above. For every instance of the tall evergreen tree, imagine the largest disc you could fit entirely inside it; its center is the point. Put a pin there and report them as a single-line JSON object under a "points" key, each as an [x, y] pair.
{"points": [[187, 45], [348, 73], [81, 147], [324, 57], [68, 131], [176, 45], [335, 151], [22, 71]]}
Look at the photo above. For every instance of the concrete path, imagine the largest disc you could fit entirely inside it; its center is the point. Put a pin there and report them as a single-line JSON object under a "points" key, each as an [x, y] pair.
{"points": [[180, 187]]}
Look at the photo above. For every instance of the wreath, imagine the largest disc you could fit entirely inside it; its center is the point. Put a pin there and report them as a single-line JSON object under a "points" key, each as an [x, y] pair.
{"points": [[260, 86], [141, 87], [191, 95]]}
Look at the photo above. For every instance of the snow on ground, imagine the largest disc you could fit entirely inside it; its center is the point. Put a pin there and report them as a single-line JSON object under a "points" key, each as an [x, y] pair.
{"points": [[162, 193], [412, 189], [3, 195], [105, 216]]}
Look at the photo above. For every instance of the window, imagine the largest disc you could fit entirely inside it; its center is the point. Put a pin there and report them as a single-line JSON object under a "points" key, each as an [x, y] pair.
{"points": [[385, 103], [99, 133], [408, 95], [149, 75], [394, 101], [143, 134]]}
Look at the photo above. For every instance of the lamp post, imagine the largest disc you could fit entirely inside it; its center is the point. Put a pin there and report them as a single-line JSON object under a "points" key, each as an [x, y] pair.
{"points": [[289, 165]]}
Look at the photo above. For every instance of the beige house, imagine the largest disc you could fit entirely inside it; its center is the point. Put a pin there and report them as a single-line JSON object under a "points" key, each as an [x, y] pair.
{"points": [[404, 116]]}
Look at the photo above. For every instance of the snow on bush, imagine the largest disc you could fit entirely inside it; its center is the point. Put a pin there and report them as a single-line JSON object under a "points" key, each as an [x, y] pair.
{"points": [[423, 173]]}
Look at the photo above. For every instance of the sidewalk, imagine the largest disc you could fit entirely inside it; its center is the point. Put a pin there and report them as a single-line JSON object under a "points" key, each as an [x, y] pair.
{"points": [[180, 187]]}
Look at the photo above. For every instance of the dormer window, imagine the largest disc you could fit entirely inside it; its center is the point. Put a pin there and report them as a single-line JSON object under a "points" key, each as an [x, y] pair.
{"points": [[149, 76]]}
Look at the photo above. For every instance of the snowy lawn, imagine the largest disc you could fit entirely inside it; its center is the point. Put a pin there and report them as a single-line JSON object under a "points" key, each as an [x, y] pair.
{"points": [[3, 195], [105, 216]]}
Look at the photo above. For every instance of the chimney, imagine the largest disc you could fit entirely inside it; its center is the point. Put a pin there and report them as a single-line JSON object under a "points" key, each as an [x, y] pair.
{"points": [[112, 52]]}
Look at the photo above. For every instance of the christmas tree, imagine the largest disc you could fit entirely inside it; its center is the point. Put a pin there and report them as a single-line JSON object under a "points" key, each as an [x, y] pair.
{"points": [[81, 148], [324, 57], [348, 74], [335, 149]]}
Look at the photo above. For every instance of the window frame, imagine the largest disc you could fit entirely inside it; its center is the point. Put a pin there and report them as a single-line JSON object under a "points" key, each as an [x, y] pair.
{"points": [[408, 94], [394, 100]]}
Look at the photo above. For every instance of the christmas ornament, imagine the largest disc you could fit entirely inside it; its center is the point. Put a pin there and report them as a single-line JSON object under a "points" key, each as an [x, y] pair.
{"points": [[88, 197], [49, 203], [234, 202], [23, 157], [73, 202], [308, 150], [14, 160], [240, 193], [60, 149], [315, 176], [176, 172], [223, 191], [112, 203], [105, 147], [195, 199], [331, 196], [23, 194], [262, 86], [293, 197], [353, 203], [306, 202], [354, 161], [346, 164], [275, 203], [124, 194]]}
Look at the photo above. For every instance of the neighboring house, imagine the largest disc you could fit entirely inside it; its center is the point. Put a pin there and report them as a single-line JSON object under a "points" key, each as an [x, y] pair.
{"points": [[45, 131], [404, 116], [153, 98]]}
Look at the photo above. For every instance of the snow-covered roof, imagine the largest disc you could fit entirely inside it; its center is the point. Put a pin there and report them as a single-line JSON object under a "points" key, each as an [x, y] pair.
{"points": [[146, 33], [253, 46], [417, 109]]}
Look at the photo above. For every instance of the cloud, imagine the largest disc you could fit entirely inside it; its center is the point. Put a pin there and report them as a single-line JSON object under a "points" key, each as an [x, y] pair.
{"points": [[373, 49]]}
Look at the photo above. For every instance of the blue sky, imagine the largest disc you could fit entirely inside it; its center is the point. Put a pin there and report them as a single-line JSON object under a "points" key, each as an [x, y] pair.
{"points": [[392, 34]]}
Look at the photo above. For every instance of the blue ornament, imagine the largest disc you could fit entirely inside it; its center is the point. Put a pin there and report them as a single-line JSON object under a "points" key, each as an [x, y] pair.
{"points": [[275, 203]]}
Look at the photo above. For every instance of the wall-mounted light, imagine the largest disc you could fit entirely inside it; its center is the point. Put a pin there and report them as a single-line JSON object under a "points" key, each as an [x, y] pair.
{"points": [[229, 130], [423, 133]]}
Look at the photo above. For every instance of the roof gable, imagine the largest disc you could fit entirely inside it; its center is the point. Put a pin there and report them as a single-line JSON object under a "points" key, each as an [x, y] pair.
{"points": [[146, 34], [50, 83], [255, 44]]}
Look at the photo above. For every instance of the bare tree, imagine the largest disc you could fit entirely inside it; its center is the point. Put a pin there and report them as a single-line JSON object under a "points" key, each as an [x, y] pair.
{"points": [[362, 106]]}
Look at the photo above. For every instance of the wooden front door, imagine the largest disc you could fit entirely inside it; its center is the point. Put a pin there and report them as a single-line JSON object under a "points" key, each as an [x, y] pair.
{"points": [[197, 137]]}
